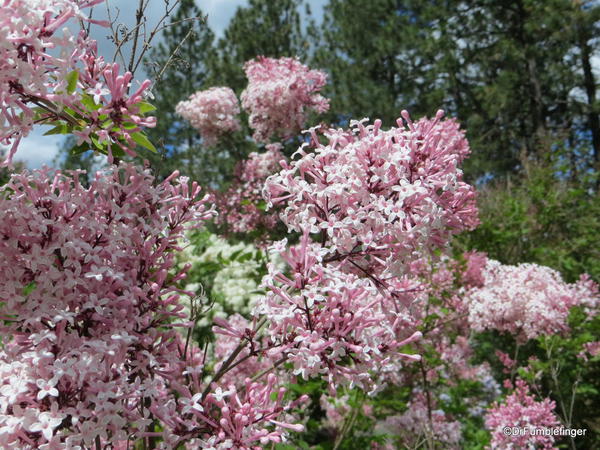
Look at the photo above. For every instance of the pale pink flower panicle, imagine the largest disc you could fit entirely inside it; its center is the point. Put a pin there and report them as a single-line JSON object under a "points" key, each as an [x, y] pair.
{"points": [[212, 112], [279, 95], [377, 201], [333, 324], [46, 72], [527, 300], [244, 417], [387, 195], [521, 410]]}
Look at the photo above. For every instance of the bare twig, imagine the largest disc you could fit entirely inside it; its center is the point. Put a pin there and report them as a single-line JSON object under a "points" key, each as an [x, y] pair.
{"points": [[172, 55]]}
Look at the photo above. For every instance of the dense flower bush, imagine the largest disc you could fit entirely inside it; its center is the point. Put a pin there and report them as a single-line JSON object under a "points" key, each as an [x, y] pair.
{"points": [[89, 302], [212, 112], [121, 327]]}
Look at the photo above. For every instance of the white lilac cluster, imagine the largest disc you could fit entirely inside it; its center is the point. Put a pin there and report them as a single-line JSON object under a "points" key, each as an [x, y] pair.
{"points": [[235, 284]]}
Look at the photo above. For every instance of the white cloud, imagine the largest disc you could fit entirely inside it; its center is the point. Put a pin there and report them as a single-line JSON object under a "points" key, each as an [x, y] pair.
{"points": [[36, 150]]}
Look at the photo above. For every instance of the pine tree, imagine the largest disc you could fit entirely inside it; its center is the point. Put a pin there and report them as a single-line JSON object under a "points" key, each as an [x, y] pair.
{"points": [[504, 68]]}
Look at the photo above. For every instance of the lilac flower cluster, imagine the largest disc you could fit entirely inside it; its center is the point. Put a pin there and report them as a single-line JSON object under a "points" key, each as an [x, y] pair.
{"points": [[279, 95], [212, 112]]}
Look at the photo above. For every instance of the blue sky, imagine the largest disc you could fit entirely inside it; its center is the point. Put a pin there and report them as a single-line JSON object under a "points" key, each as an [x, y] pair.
{"points": [[36, 150]]}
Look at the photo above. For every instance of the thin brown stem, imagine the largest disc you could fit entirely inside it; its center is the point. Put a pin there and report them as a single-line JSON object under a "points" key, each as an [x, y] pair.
{"points": [[139, 15]]}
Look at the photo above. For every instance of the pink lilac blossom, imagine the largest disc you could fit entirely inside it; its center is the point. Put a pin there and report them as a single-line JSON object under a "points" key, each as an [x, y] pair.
{"points": [[377, 201], [382, 196], [37, 59], [240, 206], [590, 349], [116, 121], [333, 324], [212, 112], [473, 274], [588, 294], [527, 300], [28, 28], [506, 361], [252, 358], [279, 94], [88, 304], [92, 311], [520, 409], [243, 417]]}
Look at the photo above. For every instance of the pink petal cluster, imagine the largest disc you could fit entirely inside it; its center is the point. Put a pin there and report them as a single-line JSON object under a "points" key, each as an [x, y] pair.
{"points": [[526, 300], [116, 116], [279, 94], [590, 349], [230, 333], [334, 324], [37, 58], [384, 195], [88, 303], [212, 112], [588, 294], [251, 416], [376, 200], [473, 273], [520, 409], [240, 206]]}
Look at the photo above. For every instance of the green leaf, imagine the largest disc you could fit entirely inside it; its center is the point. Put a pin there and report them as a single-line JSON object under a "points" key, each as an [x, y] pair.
{"points": [[61, 128], [72, 78], [88, 101], [81, 148], [97, 144], [117, 151], [141, 139], [29, 288], [146, 107]]}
